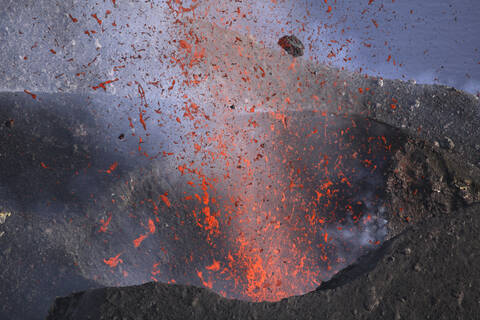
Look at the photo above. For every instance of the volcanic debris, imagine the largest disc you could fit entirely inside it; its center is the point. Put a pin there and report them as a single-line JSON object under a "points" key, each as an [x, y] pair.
{"points": [[292, 45]]}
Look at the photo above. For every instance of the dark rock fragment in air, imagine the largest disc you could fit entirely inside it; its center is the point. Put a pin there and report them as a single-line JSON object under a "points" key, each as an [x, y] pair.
{"points": [[292, 45]]}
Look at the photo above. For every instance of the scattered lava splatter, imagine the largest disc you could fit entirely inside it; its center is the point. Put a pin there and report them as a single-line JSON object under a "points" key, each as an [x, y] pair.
{"points": [[275, 188]]}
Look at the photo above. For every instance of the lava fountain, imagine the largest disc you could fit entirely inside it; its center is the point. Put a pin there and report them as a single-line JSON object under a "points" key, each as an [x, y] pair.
{"points": [[295, 201], [281, 195]]}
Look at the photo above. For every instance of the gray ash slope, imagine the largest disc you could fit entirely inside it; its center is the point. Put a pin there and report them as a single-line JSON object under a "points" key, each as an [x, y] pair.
{"points": [[55, 193], [430, 271], [37, 254]]}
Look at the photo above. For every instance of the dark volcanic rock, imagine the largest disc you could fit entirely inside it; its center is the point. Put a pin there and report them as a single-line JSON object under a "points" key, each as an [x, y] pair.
{"points": [[431, 271], [292, 45], [424, 183]]}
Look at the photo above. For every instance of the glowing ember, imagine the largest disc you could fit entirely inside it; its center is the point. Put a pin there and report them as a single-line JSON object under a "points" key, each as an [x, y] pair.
{"points": [[113, 261]]}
